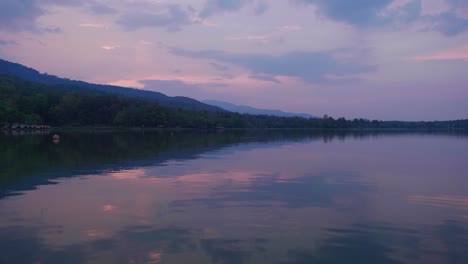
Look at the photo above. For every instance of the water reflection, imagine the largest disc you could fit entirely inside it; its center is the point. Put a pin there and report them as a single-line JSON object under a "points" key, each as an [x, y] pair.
{"points": [[331, 189], [361, 244], [234, 197], [453, 235]]}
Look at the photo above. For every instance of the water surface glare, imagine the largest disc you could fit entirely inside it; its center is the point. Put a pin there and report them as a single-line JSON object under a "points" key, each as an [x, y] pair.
{"points": [[234, 197]]}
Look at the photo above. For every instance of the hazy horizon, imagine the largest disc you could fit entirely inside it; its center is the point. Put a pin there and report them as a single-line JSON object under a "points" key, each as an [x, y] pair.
{"points": [[376, 59]]}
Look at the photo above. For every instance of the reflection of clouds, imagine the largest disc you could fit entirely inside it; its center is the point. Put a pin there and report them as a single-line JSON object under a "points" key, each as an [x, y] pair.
{"points": [[138, 244], [273, 190], [238, 177], [209, 233], [232, 179], [454, 237], [109, 207], [95, 233], [232, 250], [360, 244], [154, 257], [441, 200], [127, 174]]}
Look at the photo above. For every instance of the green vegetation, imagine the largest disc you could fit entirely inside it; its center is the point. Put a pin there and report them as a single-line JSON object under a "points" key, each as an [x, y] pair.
{"points": [[69, 105]]}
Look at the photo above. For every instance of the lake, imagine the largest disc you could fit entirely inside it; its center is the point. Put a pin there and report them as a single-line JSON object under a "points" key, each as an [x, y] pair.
{"points": [[234, 197]]}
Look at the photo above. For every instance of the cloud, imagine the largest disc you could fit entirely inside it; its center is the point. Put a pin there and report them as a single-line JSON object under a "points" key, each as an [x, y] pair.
{"points": [[61, 2], [447, 23], [100, 9], [261, 7], [459, 3], [93, 25], [403, 14], [265, 77], [51, 30], [109, 47], [177, 87], [437, 16], [213, 7], [19, 15], [261, 37], [459, 53], [357, 12], [219, 67], [8, 42], [276, 33], [312, 67], [173, 19]]}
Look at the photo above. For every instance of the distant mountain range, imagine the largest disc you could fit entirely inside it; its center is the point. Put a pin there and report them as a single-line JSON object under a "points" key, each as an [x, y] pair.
{"points": [[244, 109], [23, 72]]}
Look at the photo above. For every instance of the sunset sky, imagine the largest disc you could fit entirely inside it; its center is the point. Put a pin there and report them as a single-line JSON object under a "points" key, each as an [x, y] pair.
{"points": [[378, 59]]}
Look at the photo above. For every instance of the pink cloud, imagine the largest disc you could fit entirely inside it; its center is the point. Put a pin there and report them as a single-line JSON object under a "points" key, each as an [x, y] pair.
{"points": [[109, 47], [93, 25], [248, 37], [108, 207], [240, 83], [126, 175], [459, 53], [265, 37], [434, 7]]}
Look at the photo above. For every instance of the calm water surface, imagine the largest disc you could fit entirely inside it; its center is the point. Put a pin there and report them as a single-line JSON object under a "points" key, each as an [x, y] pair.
{"points": [[234, 197]]}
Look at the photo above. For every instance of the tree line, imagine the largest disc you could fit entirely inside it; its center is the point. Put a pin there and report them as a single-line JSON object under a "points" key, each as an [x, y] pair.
{"points": [[67, 105]]}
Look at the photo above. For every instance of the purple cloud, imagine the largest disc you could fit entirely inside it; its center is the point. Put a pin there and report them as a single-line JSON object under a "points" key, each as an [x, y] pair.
{"points": [[100, 9], [356, 12], [19, 15], [219, 67], [177, 87], [212, 7], [173, 19], [312, 67], [261, 7], [368, 13], [265, 77], [7, 42], [447, 23]]}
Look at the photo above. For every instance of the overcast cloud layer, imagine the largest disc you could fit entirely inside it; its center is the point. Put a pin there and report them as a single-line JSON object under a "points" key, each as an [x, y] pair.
{"points": [[383, 59]]}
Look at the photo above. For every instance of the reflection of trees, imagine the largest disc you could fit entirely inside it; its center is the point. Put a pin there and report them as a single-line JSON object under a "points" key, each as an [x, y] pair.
{"points": [[36, 155]]}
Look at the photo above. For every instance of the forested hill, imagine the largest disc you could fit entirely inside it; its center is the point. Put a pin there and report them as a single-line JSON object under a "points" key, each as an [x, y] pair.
{"points": [[23, 72], [64, 105]]}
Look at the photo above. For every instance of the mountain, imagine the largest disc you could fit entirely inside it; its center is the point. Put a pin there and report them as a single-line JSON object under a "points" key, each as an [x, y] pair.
{"points": [[244, 109], [23, 72]]}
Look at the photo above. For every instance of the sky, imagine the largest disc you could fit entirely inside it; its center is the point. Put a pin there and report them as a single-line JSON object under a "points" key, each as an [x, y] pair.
{"points": [[377, 59]]}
